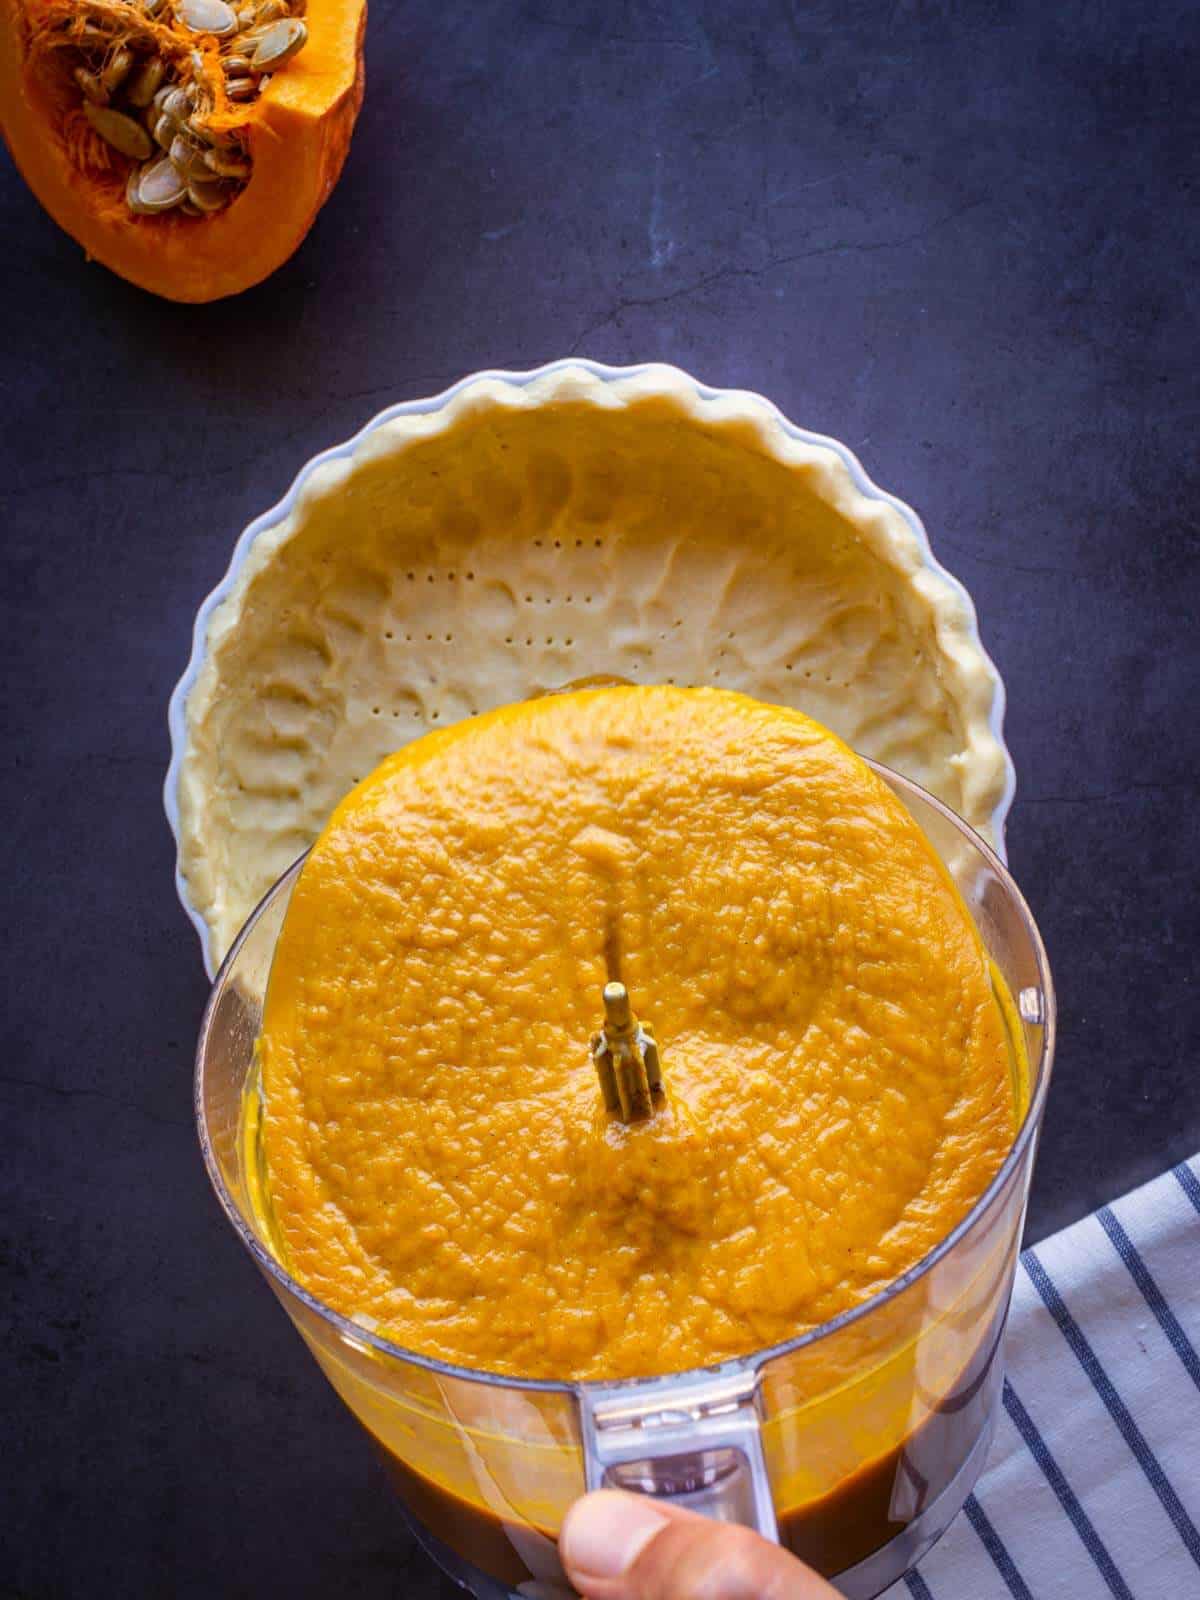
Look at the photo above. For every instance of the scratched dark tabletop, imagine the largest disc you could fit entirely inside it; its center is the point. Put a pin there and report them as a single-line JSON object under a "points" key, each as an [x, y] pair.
{"points": [[962, 239]]}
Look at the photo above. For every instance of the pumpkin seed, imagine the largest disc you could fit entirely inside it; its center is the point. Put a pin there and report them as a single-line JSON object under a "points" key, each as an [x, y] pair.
{"points": [[176, 104], [158, 188], [240, 88], [208, 196], [131, 192], [117, 68], [263, 82], [120, 131], [145, 82], [235, 66], [225, 165], [270, 11], [246, 17], [279, 43], [189, 210], [214, 138], [164, 132], [92, 87], [208, 16], [196, 133], [187, 158]]}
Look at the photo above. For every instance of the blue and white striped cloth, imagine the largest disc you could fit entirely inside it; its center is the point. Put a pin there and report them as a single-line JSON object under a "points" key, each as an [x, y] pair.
{"points": [[1092, 1488]]}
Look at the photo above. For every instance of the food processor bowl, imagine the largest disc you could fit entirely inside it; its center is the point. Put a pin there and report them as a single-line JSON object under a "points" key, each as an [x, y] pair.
{"points": [[854, 1444]]}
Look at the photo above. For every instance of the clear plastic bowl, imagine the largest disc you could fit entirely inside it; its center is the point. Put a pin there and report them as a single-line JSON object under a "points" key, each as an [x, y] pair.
{"points": [[854, 1444]]}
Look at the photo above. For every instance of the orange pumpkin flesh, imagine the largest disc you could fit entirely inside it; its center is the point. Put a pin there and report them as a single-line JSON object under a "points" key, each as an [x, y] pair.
{"points": [[298, 132]]}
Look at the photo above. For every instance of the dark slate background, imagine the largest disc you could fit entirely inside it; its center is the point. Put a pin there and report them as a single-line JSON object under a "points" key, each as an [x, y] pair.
{"points": [[960, 238]]}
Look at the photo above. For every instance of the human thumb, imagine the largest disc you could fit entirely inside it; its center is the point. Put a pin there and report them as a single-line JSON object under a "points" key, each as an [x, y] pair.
{"points": [[618, 1546]]}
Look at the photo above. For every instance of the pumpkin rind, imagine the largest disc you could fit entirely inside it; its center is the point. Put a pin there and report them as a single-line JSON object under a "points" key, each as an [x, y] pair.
{"points": [[298, 142]]}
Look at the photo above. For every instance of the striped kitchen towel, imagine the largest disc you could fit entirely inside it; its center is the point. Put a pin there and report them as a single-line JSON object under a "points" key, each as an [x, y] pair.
{"points": [[1092, 1488]]}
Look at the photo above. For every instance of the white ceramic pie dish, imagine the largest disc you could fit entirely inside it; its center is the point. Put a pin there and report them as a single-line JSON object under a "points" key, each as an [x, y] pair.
{"points": [[968, 766]]}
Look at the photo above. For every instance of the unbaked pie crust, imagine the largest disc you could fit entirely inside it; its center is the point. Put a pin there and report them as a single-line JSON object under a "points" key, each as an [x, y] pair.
{"points": [[526, 535]]}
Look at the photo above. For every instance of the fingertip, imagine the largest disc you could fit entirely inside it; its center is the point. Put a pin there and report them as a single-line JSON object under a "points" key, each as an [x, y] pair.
{"points": [[605, 1533]]}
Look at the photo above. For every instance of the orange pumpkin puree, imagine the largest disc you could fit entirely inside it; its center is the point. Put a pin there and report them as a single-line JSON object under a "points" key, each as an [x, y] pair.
{"points": [[839, 1083]]}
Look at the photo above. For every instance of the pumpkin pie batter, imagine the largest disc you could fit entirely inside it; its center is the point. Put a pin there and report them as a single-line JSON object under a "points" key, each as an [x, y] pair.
{"points": [[839, 1082]]}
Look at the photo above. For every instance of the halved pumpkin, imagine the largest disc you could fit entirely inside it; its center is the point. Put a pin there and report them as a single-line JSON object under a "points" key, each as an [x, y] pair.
{"points": [[296, 133]]}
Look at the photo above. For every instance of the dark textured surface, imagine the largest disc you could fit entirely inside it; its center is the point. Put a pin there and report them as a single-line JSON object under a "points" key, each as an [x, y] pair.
{"points": [[961, 239]]}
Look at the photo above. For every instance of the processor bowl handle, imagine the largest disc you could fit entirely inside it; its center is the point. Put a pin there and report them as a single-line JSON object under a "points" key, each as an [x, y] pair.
{"points": [[696, 1442]]}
